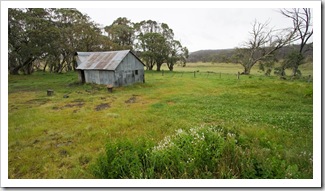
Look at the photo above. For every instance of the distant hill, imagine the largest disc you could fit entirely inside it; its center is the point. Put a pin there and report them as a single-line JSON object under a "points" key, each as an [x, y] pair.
{"points": [[220, 55], [224, 55]]}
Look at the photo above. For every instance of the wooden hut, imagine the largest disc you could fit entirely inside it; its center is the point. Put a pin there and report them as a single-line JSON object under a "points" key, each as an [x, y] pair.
{"points": [[115, 68]]}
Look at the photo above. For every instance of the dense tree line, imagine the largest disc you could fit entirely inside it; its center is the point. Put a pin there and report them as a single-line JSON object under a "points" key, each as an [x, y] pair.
{"points": [[47, 39], [51, 37], [154, 42]]}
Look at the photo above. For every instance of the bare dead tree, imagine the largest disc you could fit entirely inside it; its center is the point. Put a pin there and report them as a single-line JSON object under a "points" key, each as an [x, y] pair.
{"points": [[302, 25], [262, 44]]}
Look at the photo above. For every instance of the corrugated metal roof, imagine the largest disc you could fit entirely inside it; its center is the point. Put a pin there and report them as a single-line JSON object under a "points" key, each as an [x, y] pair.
{"points": [[102, 60], [82, 56]]}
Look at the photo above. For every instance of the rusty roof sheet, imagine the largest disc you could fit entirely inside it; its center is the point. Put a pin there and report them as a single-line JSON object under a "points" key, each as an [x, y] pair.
{"points": [[102, 60]]}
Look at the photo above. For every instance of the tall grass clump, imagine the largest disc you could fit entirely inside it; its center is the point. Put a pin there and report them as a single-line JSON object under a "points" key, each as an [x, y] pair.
{"points": [[123, 159], [200, 152]]}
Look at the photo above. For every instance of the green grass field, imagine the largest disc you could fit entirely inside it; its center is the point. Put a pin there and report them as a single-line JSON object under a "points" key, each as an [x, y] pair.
{"points": [[56, 137]]}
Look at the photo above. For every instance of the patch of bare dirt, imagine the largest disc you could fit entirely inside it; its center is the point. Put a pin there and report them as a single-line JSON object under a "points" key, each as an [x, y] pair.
{"points": [[75, 103], [55, 108], [74, 84], [171, 103], [79, 104], [13, 107], [37, 101], [131, 100], [102, 106], [55, 136], [65, 143], [63, 153]]}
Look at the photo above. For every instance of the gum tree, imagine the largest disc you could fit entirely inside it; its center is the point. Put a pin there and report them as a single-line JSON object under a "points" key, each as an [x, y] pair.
{"points": [[262, 44], [156, 44], [30, 34], [121, 32], [302, 23]]}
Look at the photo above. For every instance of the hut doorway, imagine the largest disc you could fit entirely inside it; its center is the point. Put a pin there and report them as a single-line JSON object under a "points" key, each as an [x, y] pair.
{"points": [[82, 76]]}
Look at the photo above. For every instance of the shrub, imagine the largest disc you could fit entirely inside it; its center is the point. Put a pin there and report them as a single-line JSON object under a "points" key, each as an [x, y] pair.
{"points": [[190, 154], [201, 152]]}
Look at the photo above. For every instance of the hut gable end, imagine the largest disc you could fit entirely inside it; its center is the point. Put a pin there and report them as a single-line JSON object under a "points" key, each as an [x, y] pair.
{"points": [[130, 63]]}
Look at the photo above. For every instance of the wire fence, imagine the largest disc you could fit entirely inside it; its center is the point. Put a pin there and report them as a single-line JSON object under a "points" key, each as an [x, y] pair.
{"points": [[194, 74], [213, 74]]}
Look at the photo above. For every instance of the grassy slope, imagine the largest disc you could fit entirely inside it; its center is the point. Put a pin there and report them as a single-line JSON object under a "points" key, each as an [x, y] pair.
{"points": [[56, 137]]}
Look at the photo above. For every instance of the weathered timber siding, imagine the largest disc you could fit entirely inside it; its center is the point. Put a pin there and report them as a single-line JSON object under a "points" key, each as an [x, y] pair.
{"points": [[92, 76], [129, 71], [106, 77]]}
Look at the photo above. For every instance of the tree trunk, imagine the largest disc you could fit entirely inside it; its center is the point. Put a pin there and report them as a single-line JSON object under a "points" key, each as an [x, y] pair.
{"points": [[247, 67], [170, 66], [247, 70], [295, 70], [44, 69], [69, 63], [149, 67], [14, 71], [74, 64], [27, 67], [61, 69], [51, 68], [57, 68], [158, 66]]}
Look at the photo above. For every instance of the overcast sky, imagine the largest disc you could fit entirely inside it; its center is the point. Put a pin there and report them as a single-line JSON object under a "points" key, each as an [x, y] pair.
{"points": [[198, 28], [197, 24]]}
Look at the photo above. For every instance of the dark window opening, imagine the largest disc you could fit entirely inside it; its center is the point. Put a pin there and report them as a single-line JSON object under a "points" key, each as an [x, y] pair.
{"points": [[136, 72]]}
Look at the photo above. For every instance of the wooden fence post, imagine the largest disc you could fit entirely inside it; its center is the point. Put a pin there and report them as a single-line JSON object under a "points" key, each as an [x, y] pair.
{"points": [[50, 92], [238, 75], [110, 88]]}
